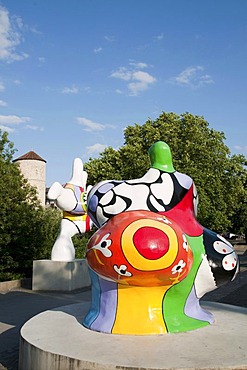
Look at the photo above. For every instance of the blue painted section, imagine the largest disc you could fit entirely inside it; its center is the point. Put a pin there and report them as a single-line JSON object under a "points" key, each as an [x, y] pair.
{"points": [[108, 307], [95, 300]]}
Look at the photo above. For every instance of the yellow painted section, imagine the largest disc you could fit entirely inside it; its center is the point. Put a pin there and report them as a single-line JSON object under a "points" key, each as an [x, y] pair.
{"points": [[139, 310], [69, 186], [136, 259], [73, 217]]}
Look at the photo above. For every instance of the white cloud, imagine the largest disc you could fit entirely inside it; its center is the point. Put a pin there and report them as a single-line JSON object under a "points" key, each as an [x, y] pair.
{"points": [[7, 121], [242, 149], [142, 80], [41, 60], [87, 89], [17, 82], [70, 90], [97, 50], [109, 38], [2, 87], [139, 65], [34, 128], [90, 125], [143, 77], [6, 128], [192, 77], [13, 120], [118, 91], [10, 37], [3, 103], [138, 79], [122, 73], [95, 149], [34, 30], [159, 37]]}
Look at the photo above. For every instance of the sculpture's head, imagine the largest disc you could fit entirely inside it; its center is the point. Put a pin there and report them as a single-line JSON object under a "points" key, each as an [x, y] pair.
{"points": [[140, 248], [161, 157]]}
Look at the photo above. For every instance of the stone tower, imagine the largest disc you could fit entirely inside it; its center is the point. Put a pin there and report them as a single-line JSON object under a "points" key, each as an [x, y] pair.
{"points": [[33, 168]]}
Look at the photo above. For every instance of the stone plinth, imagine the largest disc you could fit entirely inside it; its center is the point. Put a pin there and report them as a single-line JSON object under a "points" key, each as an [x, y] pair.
{"points": [[60, 275], [56, 340]]}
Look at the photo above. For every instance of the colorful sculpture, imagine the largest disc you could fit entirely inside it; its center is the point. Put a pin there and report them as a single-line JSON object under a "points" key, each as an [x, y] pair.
{"points": [[71, 199], [150, 260]]}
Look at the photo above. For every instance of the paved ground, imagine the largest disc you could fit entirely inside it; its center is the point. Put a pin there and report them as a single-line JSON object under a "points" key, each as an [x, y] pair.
{"points": [[19, 305]]}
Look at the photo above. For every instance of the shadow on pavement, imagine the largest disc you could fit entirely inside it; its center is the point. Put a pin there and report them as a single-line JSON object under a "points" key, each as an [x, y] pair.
{"points": [[17, 307]]}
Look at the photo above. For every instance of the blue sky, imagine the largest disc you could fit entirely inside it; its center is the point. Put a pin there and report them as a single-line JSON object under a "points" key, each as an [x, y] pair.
{"points": [[75, 73]]}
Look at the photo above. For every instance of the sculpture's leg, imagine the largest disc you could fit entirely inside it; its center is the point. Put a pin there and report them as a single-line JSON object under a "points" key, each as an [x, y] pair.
{"points": [[123, 309], [139, 310], [102, 313], [182, 310], [63, 248]]}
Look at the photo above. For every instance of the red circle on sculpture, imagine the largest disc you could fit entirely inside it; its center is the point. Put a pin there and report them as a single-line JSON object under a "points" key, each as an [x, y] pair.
{"points": [[150, 242]]}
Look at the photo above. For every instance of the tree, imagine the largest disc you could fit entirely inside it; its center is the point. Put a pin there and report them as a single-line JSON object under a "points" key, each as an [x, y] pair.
{"points": [[239, 221], [80, 242], [198, 151], [27, 231]]}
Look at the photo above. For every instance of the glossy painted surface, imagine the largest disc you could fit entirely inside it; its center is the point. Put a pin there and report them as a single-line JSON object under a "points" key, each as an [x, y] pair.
{"points": [[140, 248], [71, 198], [150, 260]]}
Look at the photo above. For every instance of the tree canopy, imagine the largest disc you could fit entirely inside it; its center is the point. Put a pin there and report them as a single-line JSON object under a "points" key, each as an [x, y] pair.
{"points": [[198, 151], [27, 231]]}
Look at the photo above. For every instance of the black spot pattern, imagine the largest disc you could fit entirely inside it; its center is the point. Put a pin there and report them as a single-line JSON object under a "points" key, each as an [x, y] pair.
{"points": [[221, 276], [178, 193]]}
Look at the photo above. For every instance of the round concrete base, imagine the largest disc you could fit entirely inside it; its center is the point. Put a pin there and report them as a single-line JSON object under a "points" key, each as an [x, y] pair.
{"points": [[56, 340]]}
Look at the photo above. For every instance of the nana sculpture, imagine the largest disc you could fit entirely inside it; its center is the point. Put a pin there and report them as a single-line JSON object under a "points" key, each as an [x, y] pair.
{"points": [[71, 199], [150, 261]]}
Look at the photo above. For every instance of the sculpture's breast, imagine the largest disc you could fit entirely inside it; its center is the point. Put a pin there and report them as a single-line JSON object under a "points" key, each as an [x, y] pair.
{"points": [[140, 248]]}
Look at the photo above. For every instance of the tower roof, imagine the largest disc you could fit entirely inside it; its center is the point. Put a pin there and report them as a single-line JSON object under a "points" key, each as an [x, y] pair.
{"points": [[30, 156]]}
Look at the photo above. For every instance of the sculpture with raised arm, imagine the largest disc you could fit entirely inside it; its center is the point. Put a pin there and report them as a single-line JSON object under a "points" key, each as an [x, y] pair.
{"points": [[71, 198]]}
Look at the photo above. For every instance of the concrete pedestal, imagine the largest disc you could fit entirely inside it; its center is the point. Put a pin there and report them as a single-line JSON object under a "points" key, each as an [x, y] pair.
{"points": [[59, 275], [56, 340]]}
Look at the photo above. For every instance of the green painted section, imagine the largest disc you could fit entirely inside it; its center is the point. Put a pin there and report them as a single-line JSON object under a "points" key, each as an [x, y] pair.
{"points": [[175, 298], [161, 157]]}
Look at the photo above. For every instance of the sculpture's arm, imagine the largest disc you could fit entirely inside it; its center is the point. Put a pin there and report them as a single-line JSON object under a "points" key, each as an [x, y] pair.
{"points": [[64, 196]]}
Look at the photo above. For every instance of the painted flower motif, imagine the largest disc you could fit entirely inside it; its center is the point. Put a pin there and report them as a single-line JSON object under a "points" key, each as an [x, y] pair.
{"points": [[179, 267], [103, 246], [185, 243], [122, 270]]}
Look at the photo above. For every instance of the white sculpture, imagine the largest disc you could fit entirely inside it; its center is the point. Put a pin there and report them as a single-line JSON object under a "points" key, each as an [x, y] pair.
{"points": [[71, 198]]}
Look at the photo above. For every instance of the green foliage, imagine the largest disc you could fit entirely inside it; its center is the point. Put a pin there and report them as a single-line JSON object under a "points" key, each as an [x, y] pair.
{"points": [[6, 147], [80, 243], [27, 231], [239, 221], [49, 228], [108, 166], [197, 150]]}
